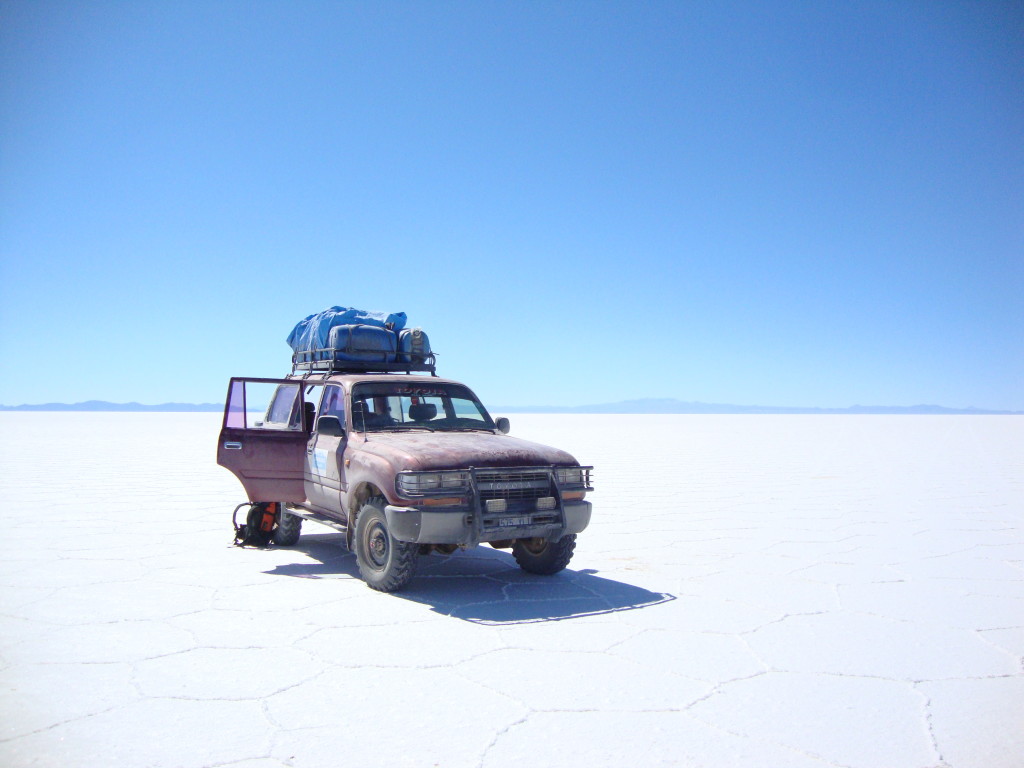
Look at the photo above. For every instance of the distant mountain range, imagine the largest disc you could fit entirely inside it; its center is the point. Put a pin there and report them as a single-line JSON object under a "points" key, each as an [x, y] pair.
{"points": [[668, 405], [102, 405], [649, 405]]}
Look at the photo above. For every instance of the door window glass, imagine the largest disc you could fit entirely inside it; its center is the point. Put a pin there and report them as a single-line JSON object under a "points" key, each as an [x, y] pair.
{"points": [[264, 405], [334, 403], [311, 397]]}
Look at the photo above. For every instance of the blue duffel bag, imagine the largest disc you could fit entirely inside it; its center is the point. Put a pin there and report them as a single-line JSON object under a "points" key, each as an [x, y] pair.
{"points": [[362, 343]]}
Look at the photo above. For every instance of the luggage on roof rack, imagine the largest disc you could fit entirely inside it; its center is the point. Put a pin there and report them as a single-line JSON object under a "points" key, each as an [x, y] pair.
{"points": [[314, 331], [413, 345], [343, 339], [368, 349]]}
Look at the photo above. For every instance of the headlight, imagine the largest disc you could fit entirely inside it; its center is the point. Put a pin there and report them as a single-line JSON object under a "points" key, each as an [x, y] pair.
{"points": [[569, 475], [420, 483]]}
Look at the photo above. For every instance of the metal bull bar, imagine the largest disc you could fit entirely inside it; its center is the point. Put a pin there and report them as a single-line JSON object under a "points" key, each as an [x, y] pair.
{"points": [[516, 503]]}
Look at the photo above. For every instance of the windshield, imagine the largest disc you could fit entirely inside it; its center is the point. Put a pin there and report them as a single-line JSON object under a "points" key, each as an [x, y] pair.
{"points": [[397, 405]]}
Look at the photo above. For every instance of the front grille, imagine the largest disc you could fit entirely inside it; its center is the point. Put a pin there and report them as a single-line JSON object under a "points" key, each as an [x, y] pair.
{"points": [[513, 485]]}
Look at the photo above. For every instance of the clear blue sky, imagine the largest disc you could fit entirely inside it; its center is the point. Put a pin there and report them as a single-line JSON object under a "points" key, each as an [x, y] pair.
{"points": [[813, 204]]}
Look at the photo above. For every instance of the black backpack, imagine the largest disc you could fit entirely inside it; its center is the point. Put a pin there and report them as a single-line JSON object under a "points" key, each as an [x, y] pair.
{"points": [[258, 527]]}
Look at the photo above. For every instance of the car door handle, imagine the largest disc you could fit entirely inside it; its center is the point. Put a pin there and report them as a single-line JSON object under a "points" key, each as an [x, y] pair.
{"points": [[233, 446]]}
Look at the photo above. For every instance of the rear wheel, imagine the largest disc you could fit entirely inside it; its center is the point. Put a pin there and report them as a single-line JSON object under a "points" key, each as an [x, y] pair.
{"points": [[544, 556], [286, 533], [385, 563]]}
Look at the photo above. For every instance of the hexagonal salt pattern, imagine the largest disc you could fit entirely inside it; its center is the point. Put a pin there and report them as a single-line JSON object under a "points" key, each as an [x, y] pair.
{"points": [[794, 592]]}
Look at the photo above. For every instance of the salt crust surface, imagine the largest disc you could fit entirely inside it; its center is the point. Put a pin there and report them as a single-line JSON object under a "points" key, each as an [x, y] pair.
{"points": [[787, 591]]}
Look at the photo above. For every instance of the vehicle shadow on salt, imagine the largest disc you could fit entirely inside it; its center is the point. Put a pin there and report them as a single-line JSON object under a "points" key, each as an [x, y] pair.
{"points": [[483, 585]]}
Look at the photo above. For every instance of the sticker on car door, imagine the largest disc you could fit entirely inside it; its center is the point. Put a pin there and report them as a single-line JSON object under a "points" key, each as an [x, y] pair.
{"points": [[320, 461]]}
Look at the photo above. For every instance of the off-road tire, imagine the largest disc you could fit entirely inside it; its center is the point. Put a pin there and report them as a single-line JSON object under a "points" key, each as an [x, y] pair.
{"points": [[288, 528], [385, 563], [544, 556]]}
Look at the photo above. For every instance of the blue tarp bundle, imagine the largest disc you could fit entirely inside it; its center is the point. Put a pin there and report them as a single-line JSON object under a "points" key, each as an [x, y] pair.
{"points": [[313, 332]]}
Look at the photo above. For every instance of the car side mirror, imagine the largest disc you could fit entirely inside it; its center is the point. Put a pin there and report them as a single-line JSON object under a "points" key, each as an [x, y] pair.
{"points": [[330, 426], [502, 425]]}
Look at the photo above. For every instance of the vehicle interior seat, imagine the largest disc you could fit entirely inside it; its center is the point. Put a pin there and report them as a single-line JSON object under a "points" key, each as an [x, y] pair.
{"points": [[422, 411]]}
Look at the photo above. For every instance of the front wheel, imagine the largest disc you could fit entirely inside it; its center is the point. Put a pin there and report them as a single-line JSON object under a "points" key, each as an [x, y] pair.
{"points": [[544, 556], [385, 563]]}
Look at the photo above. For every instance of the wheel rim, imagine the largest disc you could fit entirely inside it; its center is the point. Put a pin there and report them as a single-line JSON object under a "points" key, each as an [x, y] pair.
{"points": [[378, 546], [535, 546]]}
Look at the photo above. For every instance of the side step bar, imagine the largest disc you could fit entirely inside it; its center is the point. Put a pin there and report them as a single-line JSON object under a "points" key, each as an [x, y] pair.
{"points": [[316, 517]]}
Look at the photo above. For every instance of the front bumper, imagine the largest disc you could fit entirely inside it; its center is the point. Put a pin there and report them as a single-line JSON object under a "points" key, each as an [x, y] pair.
{"points": [[459, 526]]}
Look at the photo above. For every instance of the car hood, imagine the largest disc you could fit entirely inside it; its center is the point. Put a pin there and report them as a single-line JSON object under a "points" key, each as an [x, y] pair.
{"points": [[458, 450]]}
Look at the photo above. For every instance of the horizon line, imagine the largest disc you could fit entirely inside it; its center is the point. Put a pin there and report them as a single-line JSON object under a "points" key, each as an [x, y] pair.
{"points": [[664, 406]]}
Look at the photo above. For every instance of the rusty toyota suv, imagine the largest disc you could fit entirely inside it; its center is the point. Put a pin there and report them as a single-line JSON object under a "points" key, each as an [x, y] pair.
{"points": [[403, 465]]}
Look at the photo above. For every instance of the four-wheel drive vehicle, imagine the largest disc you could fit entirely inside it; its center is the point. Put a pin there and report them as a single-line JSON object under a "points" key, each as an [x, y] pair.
{"points": [[403, 465]]}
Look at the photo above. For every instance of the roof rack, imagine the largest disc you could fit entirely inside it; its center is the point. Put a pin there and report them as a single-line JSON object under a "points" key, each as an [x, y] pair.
{"points": [[326, 360]]}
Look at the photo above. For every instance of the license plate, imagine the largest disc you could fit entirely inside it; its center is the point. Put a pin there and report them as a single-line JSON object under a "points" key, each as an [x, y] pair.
{"points": [[510, 522]]}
